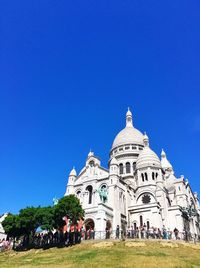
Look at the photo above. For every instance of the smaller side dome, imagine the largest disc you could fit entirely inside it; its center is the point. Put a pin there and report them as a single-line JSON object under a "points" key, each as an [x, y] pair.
{"points": [[147, 157], [165, 162], [73, 172], [113, 161]]}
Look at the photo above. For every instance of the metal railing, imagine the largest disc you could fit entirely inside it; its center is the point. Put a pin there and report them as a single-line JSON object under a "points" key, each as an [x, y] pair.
{"points": [[132, 234], [68, 239]]}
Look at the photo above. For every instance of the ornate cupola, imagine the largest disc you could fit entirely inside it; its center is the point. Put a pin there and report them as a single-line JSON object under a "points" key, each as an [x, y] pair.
{"points": [[114, 171], [113, 166], [129, 141], [73, 173]]}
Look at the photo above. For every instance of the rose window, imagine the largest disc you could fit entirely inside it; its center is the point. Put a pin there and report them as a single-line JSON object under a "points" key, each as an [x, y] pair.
{"points": [[146, 199]]}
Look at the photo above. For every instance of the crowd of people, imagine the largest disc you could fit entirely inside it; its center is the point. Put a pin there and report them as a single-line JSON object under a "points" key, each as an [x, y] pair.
{"points": [[150, 233], [44, 240], [50, 239], [88, 234], [144, 232], [74, 236]]}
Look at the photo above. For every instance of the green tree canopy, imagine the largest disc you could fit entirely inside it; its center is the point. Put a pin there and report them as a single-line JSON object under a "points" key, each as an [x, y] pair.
{"points": [[12, 226], [67, 206], [47, 218], [28, 219]]}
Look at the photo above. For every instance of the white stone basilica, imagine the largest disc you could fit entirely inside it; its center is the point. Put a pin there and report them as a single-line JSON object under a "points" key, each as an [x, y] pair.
{"points": [[137, 188]]}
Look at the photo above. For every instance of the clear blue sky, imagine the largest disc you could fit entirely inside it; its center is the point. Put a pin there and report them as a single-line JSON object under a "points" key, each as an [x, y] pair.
{"points": [[68, 72]]}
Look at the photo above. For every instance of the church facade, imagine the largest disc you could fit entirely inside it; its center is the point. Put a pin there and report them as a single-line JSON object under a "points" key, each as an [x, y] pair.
{"points": [[137, 189]]}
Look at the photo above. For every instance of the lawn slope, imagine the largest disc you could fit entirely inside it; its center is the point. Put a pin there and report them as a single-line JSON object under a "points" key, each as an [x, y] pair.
{"points": [[145, 254]]}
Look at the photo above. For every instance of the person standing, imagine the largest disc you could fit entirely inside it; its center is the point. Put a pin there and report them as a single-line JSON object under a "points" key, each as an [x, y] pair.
{"points": [[117, 232], [176, 233]]}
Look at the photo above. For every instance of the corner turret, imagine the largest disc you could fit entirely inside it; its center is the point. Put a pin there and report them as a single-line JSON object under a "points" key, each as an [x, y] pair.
{"points": [[70, 184]]}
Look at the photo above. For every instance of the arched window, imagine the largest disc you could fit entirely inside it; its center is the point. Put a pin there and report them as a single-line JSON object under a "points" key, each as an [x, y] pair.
{"points": [[141, 220], [148, 225], [89, 189], [91, 163], [128, 167], [124, 204], [142, 177], [153, 176], [146, 176], [121, 171], [156, 175], [78, 194], [134, 166]]}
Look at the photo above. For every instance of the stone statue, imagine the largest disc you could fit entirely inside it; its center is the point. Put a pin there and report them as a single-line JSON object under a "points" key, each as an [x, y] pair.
{"points": [[55, 201], [103, 194]]}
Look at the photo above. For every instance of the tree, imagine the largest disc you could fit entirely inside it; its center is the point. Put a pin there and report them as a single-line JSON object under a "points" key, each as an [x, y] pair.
{"points": [[45, 218], [28, 219], [67, 206], [12, 227]]}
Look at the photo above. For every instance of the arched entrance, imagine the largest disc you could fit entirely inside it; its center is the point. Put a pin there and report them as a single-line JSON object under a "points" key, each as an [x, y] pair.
{"points": [[108, 225], [108, 229], [89, 224], [89, 229]]}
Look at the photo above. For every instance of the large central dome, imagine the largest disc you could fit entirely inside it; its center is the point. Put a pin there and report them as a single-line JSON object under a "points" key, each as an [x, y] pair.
{"points": [[129, 135]]}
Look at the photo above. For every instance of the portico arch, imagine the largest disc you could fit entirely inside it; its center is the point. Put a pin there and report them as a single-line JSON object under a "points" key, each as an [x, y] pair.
{"points": [[89, 224]]}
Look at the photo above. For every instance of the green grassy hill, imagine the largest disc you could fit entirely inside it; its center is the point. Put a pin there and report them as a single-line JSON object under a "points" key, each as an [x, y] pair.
{"points": [[108, 254]]}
